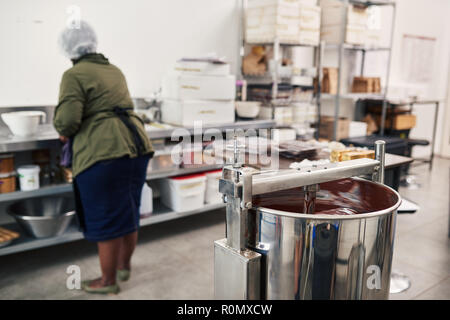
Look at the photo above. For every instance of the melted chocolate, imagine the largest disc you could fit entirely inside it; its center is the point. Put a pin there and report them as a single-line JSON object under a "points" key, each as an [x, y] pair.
{"points": [[340, 197]]}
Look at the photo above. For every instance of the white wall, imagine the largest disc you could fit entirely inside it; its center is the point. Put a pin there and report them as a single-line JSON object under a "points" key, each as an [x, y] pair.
{"points": [[144, 38]]}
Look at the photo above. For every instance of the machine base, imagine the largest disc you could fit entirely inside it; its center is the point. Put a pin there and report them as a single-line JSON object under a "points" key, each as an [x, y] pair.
{"points": [[236, 273]]}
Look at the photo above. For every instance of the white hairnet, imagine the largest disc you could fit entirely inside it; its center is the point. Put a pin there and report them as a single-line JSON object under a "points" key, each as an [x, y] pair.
{"points": [[78, 40]]}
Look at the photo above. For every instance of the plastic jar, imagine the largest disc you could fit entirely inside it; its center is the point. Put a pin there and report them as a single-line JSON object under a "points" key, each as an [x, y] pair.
{"points": [[29, 177]]}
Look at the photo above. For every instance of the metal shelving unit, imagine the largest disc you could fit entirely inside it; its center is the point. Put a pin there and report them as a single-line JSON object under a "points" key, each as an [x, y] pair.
{"points": [[48, 138], [342, 47], [273, 78], [161, 213]]}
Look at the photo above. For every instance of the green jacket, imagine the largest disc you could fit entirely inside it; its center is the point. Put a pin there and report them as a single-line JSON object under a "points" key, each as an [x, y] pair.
{"points": [[88, 93]]}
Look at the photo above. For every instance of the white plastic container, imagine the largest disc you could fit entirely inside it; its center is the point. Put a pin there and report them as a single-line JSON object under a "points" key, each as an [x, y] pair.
{"points": [[212, 194], [29, 177], [183, 193], [23, 123], [146, 207]]}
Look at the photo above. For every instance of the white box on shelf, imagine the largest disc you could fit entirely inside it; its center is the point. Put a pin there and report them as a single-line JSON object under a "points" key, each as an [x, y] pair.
{"points": [[186, 112], [201, 87], [373, 37], [357, 129], [212, 194], [309, 37], [202, 68], [354, 34], [333, 14], [309, 17], [282, 115], [264, 3], [183, 193], [267, 3]]}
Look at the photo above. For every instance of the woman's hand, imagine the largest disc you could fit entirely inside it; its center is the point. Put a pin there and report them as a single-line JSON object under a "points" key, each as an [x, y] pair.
{"points": [[63, 139]]}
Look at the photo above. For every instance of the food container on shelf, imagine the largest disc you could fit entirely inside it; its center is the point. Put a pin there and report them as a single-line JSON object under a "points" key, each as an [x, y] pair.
{"points": [[146, 207], [44, 217], [29, 177], [6, 163], [184, 193], [248, 109], [7, 182], [7, 236], [23, 123], [212, 194]]}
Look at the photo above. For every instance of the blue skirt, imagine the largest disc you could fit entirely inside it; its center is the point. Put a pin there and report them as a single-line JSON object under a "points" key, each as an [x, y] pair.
{"points": [[110, 196]]}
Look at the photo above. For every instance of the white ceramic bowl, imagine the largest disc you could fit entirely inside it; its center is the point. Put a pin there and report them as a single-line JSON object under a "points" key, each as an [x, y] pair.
{"points": [[23, 123], [248, 109]]}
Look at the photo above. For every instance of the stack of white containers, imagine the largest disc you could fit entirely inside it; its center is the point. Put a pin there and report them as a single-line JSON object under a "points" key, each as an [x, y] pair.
{"points": [[291, 21], [333, 19], [304, 112], [198, 91]]}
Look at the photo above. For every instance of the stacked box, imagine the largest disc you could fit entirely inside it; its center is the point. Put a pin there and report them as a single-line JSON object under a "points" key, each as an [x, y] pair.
{"points": [[332, 22], [198, 91], [291, 21]]}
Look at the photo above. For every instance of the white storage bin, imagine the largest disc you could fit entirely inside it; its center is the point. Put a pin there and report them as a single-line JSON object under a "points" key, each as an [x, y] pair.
{"points": [[202, 68], [29, 177], [146, 207], [198, 87], [212, 194], [186, 112], [183, 193]]}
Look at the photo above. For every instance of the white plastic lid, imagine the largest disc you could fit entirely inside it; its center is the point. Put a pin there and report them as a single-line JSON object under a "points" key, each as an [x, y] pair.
{"points": [[29, 169]]}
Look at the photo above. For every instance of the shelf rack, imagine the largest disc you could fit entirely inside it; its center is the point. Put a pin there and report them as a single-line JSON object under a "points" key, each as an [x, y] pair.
{"points": [[161, 214], [342, 47], [48, 138], [274, 77]]}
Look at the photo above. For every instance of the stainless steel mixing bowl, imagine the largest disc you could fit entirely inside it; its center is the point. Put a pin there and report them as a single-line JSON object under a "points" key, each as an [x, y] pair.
{"points": [[44, 217]]}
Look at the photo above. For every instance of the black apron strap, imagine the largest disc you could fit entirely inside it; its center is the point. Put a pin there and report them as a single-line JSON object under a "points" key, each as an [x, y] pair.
{"points": [[125, 118]]}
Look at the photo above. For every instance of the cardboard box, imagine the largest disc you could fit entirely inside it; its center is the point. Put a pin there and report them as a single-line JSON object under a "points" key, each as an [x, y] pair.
{"points": [[333, 13], [354, 34], [327, 128], [198, 87], [366, 84], [330, 80], [186, 112], [399, 121], [357, 129]]}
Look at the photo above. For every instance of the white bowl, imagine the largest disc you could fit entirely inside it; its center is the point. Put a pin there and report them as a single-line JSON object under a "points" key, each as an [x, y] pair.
{"points": [[248, 109], [23, 123]]}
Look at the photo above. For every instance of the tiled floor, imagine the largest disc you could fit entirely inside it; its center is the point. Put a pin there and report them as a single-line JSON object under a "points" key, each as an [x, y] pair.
{"points": [[174, 260]]}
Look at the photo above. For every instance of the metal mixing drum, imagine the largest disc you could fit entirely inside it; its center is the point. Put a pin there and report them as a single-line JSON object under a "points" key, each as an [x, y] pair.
{"points": [[314, 233]]}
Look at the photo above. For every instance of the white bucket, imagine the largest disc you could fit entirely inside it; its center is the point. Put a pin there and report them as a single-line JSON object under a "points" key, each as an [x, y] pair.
{"points": [[29, 177]]}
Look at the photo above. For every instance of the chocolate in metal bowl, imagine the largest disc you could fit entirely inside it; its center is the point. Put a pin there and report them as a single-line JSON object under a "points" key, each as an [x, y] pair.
{"points": [[44, 217], [342, 250]]}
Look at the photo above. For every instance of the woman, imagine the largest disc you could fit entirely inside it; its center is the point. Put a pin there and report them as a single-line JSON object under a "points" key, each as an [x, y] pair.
{"points": [[110, 154]]}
